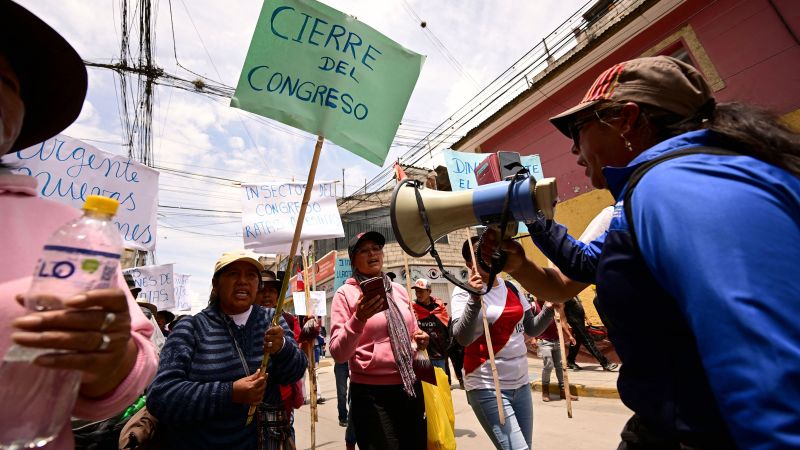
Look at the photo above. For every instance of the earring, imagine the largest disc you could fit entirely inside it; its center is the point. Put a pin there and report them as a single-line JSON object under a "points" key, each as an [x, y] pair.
{"points": [[628, 145]]}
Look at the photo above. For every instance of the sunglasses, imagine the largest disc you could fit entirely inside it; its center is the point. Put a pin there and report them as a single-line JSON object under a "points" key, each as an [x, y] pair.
{"points": [[599, 115]]}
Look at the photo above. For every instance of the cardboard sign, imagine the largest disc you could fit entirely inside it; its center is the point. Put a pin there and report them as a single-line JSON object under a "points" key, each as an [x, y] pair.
{"points": [[325, 268], [317, 303], [317, 69], [270, 211], [461, 168], [68, 170], [157, 283], [181, 282]]}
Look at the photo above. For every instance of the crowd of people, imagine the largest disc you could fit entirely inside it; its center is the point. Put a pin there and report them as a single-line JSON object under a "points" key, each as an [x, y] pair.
{"points": [[699, 189]]}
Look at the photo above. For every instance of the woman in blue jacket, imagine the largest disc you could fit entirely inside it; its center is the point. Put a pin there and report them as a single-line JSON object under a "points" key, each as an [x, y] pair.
{"points": [[704, 236], [207, 378]]}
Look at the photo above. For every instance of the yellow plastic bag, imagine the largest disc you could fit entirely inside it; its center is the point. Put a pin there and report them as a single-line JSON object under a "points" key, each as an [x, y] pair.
{"points": [[439, 411]]}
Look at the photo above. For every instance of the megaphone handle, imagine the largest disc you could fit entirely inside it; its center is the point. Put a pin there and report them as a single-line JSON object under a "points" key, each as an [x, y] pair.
{"points": [[498, 255]]}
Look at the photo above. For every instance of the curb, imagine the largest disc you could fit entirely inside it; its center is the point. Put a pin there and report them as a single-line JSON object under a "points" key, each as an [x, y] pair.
{"points": [[581, 390]]}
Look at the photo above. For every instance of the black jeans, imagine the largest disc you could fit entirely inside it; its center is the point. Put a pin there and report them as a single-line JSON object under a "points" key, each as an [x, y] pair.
{"points": [[456, 354], [576, 318], [385, 418]]}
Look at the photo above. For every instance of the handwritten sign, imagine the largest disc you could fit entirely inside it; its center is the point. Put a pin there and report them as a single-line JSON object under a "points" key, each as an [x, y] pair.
{"points": [[343, 272], [317, 303], [317, 69], [68, 170], [157, 283], [461, 167], [270, 211], [182, 302]]}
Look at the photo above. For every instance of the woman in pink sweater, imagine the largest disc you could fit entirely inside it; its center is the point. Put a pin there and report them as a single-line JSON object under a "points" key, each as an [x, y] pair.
{"points": [[387, 409], [105, 332]]}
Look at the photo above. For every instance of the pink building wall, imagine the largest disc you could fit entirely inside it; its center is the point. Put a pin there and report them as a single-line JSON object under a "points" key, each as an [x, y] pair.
{"points": [[755, 55]]}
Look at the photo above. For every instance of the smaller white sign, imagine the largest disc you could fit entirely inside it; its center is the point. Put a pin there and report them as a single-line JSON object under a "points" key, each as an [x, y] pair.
{"points": [[181, 282], [157, 283], [317, 303]]}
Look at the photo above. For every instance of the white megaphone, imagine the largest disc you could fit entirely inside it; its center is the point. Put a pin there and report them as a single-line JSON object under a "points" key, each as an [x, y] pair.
{"points": [[450, 211]]}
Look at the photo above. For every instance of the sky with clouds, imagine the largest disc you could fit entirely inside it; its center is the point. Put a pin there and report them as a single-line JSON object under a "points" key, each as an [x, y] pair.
{"points": [[202, 134]]}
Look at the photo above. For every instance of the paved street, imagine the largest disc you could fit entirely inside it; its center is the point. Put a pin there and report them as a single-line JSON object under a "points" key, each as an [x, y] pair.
{"points": [[595, 424]]}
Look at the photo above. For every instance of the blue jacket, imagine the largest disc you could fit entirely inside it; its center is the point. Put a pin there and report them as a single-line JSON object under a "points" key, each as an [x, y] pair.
{"points": [[704, 307], [191, 393]]}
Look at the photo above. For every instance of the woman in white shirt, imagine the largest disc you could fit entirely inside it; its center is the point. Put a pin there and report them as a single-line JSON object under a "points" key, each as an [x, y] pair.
{"points": [[509, 315]]}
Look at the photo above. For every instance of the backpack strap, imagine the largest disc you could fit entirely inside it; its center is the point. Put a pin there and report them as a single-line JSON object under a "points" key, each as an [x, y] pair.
{"points": [[646, 166]]}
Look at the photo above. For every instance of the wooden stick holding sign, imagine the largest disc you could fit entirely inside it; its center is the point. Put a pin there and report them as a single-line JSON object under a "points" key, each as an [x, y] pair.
{"points": [[301, 217], [312, 375], [422, 361], [495, 376], [567, 395]]}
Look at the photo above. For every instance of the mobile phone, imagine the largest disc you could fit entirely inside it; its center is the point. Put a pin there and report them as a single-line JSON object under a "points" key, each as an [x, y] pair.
{"points": [[373, 287]]}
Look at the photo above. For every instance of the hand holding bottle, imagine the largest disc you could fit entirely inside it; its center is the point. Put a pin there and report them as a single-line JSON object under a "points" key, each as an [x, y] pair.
{"points": [[95, 329]]}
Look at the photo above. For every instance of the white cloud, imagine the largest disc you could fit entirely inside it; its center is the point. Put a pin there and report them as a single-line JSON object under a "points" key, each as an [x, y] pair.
{"points": [[236, 142]]}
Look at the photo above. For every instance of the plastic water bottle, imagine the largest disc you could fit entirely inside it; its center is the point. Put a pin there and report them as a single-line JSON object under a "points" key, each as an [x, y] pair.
{"points": [[81, 255]]}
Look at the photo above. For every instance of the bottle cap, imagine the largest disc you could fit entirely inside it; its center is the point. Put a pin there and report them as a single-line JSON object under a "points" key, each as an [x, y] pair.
{"points": [[98, 203]]}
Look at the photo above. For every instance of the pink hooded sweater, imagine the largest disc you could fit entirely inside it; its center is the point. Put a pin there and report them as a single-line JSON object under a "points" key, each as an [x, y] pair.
{"points": [[366, 346], [27, 222]]}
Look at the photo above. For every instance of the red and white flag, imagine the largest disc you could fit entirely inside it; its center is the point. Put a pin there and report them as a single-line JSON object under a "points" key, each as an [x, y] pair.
{"points": [[299, 280]]}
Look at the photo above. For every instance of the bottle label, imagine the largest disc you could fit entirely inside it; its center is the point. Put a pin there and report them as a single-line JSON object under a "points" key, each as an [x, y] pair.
{"points": [[66, 271]]}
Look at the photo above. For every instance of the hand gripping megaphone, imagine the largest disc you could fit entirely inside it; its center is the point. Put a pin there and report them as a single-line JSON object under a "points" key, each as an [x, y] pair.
{"points": [[417, 212]]}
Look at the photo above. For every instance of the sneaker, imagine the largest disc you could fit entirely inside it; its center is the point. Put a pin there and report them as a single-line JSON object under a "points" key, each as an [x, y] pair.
{"points": [[610, 367], [573, 366], [320, 400], [343, 423]]}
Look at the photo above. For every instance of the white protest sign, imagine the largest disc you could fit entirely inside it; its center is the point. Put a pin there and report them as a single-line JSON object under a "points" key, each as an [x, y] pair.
{"points": [[156, 283], [317, 303], [67, 170], [270, 211], [181, 282]]}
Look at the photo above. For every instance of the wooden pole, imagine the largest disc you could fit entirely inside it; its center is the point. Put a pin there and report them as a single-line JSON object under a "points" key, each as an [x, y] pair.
{"points": [[568, 396], [408, 279], [312, 375], [495, 376], [301, 217]]}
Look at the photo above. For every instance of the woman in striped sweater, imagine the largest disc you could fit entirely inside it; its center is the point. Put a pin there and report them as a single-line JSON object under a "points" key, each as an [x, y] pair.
{"points": [[207, 377]]}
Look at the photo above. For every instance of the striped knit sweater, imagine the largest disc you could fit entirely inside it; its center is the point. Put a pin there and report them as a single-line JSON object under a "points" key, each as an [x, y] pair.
{"points": [[191, 393]]}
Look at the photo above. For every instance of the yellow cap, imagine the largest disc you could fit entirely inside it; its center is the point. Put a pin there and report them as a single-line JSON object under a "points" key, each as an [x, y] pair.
{"points": [[231, 257], [103, 205]]}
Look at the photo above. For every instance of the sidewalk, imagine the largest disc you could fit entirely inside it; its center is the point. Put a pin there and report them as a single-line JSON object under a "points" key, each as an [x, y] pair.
{"points": [[592, 381]]}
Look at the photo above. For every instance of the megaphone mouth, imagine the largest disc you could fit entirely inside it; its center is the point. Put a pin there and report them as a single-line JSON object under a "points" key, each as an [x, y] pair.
{"points": [[393, 216]]}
